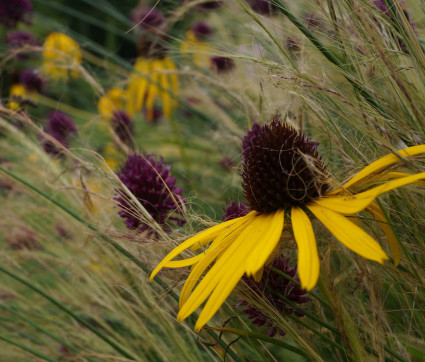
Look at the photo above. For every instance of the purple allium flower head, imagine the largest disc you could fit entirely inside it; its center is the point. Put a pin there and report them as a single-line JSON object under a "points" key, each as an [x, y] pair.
{"points": [[150, 181], [264, 7], [19, 39], [278, 291], [222, 64], [14, 11], [147, 19], [202, 29], [61, 127], [123, 126], [32, 80], [234, 210]]}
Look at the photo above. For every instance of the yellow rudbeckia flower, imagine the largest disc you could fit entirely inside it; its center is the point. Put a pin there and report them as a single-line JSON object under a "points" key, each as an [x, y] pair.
{"points": [[17, 93], [285, 180], [61, 56], [197, 49], [113, 100], [143, 89]]}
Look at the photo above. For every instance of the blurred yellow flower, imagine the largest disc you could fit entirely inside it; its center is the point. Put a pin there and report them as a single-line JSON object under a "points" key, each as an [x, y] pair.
{"points": [[197, 49], [143, 89], [17, 92], [62, 56], [113, 100], [112, 156]]}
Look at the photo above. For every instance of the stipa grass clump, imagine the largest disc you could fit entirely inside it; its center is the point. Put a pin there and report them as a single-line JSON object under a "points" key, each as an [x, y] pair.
{"points": [[236, 96]]}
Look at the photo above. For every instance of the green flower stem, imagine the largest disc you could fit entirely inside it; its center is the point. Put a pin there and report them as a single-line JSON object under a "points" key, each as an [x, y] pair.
{"points": [[262, 337], [64, 308], [28, 349], [42, 330], [118, 247]]}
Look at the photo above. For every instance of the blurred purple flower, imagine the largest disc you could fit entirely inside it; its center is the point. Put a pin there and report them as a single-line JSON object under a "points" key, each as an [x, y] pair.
{"points": [[32, 80], [20, 39], [264, 7], [150, 181], [14, 11], [202, 30], [279, 293], [222, 64], [148, 19], [61, 127]]}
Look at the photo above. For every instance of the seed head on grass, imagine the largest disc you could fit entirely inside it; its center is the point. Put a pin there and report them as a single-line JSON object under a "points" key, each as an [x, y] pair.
{"points": [[284, 178]]}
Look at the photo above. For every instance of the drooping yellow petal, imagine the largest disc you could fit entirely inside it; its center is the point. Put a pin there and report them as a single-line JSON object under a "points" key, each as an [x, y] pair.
{"points": [[170, 66], [184, 262], [352, 204], [379, 216], [383, 163], [219, 295], [272, 226], [152, 89], [226, 238], [308, 258], [236, 223], [209, 234], [165, 95], [230, 261], [349, 234]]}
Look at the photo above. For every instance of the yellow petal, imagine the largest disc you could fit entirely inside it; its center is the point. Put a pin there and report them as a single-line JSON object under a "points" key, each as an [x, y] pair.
{"points": [[379, 216], [230, 261], [184, 262], [220, 244], [384, 162], [348, 233], [235, 224], [271, 229], [166, 100], [352, 204], [308, 259], [210, 234], [233, 269], [152, 90]]}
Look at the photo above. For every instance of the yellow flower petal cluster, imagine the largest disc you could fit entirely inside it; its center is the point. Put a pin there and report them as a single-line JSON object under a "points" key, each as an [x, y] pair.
{"points": [[197, 49], [244, 245], [113, 100], [61, 56], [17, 91], [153, 79]]}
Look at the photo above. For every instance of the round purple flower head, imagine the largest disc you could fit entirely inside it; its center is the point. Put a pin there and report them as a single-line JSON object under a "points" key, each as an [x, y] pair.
{"points": [[123, 126], [32, 80], [147, 19], [278, 291], [235, 210], [20, 39], [202, 30], [61, 127], [222, 64], [14, 11], [150, 181]]}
